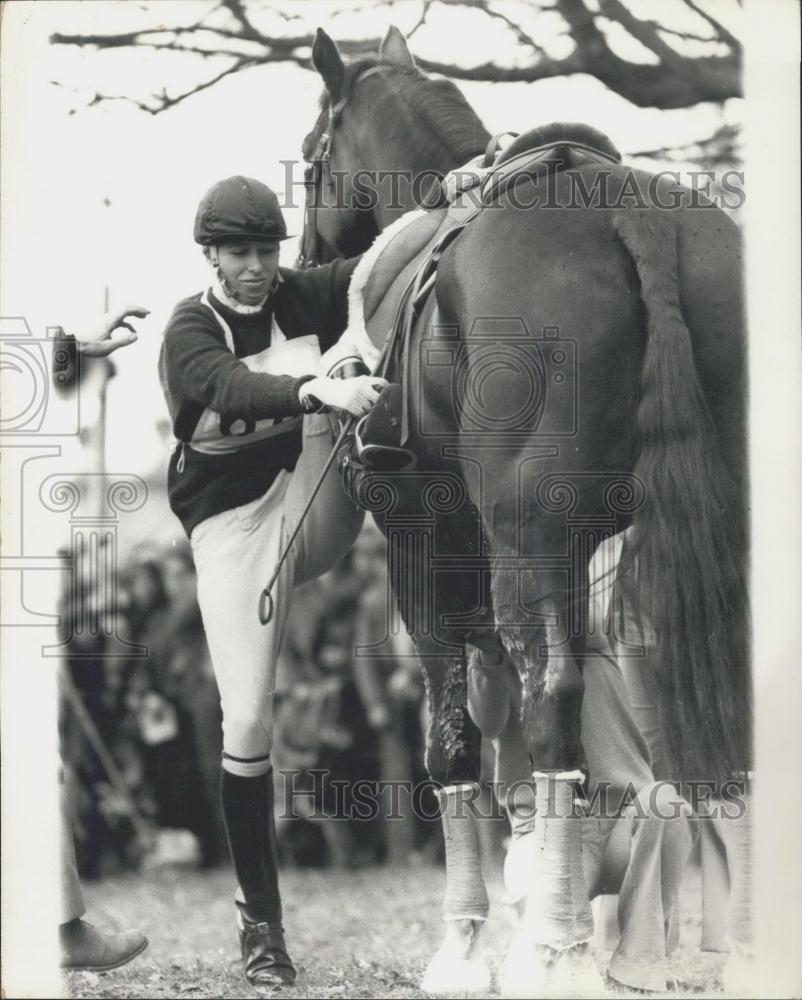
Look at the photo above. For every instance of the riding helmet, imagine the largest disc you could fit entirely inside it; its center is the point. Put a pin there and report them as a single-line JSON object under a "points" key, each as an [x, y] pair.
{"points": [[239, 208]]}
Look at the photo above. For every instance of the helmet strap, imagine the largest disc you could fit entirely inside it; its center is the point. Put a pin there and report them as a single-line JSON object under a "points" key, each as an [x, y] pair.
{"points": [[226, 293]]}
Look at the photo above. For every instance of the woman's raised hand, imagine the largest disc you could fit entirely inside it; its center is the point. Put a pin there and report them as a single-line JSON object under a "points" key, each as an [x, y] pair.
{"points": [[102, 341]]}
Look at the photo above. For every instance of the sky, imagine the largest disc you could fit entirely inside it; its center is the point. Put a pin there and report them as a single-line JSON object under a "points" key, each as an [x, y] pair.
{"points": [[105, 198]]}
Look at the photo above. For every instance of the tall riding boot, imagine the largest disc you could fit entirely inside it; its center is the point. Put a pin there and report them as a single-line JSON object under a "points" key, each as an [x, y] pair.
{"points": [[251, 831]]}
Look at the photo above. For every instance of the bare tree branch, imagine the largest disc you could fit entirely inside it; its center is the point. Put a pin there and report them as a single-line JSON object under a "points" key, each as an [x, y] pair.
{"points": [[643, 32], [677, 85], [110, 41], [523, 36], [686, 36], [425, 8], [170, 102], [165, 100], [238, 11], [717, 26], [718, 150], [675, 81]]}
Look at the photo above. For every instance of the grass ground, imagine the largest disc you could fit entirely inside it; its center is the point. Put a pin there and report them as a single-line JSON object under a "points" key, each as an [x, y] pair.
{"points": [[366, 933]]}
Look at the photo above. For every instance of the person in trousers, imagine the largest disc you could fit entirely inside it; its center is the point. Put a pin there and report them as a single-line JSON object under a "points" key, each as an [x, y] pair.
{"points": [[255, 419], [82, 945]]}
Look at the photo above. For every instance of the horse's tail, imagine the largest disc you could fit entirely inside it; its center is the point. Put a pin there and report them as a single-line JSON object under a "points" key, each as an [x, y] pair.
{"points": [[690, 534]]}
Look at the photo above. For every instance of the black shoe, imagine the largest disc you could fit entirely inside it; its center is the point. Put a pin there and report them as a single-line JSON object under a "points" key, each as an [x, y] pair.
{"points": [[264, 953]]}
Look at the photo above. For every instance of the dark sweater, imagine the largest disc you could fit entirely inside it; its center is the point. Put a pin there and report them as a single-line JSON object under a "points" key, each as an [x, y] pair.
{"points": [[199, 372]]}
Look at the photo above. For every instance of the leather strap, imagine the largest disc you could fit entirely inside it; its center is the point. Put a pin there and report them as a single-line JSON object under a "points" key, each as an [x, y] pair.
{"points": [[396, 346], [493, 147]]}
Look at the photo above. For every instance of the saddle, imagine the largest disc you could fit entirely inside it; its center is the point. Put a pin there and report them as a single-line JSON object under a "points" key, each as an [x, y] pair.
{"points": [[542, 138], [397, 275], [545, 149]]}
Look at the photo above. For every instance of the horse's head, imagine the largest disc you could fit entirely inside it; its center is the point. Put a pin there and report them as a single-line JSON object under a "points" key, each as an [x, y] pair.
{"points": [[384, 133]]}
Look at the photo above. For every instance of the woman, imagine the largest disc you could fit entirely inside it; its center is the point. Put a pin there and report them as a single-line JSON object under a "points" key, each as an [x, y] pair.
{"points": [[238, 369]]}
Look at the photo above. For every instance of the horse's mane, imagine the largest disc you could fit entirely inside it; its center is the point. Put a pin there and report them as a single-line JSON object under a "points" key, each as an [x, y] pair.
{"points": [[436, 102]]}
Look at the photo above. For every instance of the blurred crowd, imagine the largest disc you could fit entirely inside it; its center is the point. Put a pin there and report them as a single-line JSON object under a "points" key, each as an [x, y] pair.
{"points": [[140, 719]]}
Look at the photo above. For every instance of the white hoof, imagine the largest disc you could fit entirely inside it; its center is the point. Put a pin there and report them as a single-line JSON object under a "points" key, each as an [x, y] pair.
{"points": [[447, 975], [575, 974], [539, 971], [525, 969], [458, 967]]}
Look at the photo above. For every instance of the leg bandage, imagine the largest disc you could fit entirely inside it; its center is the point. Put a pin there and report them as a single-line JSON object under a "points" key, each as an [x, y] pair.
{"points": [[549, 860], [465, 897]]}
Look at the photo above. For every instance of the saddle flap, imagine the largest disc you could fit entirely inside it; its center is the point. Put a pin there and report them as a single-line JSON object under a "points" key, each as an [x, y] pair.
{"points": [[394, 258]]}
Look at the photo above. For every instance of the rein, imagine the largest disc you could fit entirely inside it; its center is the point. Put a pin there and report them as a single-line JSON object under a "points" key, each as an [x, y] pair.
{"points": [[320, 166]]}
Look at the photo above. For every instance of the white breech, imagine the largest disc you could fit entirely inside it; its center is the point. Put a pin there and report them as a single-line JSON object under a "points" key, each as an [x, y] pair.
{"points": [[236, 553]]}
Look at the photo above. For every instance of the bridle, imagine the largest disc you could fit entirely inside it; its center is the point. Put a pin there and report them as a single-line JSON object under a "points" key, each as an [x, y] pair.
{"points": [[308, 255], [318, 170]]}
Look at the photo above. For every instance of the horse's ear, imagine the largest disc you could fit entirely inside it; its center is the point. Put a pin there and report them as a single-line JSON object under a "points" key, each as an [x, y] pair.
{"points": [[327, 61], [394, 49]]}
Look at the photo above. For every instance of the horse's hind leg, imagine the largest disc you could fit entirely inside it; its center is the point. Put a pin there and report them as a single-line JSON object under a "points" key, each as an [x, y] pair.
{"points": [[550, 953], [453, 762]]}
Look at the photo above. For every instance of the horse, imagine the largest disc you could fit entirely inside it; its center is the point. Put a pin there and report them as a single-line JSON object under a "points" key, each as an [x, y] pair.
{"points": [[579, 368]]}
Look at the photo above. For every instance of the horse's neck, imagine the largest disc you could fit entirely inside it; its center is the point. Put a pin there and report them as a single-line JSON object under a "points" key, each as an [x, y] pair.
{"points": [[417, 168], [413, 129]]}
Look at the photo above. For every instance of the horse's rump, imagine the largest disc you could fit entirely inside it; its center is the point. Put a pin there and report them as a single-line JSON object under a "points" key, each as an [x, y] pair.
{"points": [[650, 297]]}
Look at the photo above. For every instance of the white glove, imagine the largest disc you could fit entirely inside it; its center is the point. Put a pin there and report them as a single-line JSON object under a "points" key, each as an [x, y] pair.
{"points": [[351, 395]]}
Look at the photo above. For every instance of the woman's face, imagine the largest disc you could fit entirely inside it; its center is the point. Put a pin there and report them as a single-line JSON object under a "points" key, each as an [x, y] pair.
{"points": [[248, 268]]}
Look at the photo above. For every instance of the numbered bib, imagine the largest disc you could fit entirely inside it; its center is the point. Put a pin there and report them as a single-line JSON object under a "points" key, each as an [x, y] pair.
{"points": [[215, 433]]}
